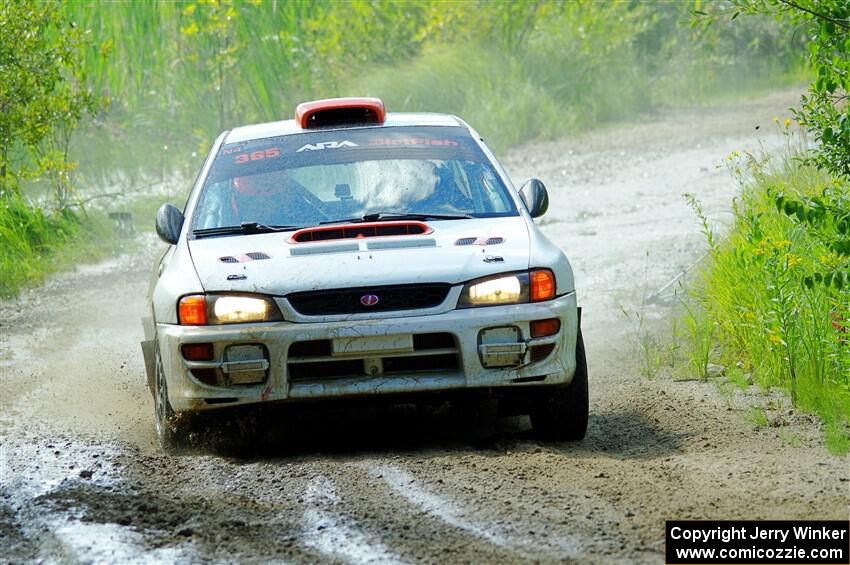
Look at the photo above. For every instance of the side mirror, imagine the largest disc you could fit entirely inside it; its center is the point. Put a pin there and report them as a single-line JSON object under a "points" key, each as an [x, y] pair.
{"points": [[535, 197], [169, 222]]}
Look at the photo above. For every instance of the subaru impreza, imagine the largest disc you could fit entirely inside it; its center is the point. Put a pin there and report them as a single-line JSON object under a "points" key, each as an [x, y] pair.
{"points": [[350, 252]]}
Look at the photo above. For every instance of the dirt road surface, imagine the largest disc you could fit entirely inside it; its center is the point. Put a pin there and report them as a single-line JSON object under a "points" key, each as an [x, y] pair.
{"points": [[83, 480]]}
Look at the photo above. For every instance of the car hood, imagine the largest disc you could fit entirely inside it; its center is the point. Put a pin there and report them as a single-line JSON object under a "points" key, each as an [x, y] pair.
{"points": [[272, 264]]}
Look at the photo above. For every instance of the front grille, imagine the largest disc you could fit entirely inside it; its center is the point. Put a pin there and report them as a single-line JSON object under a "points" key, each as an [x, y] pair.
{"points": [[421, 364], [312, 348], [311, 361], [325, 369], [350, 300]]}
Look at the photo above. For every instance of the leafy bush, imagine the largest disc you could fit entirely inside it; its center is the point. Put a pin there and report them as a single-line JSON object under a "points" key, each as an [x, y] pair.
{"points": [[43, 95], [777, 293]]}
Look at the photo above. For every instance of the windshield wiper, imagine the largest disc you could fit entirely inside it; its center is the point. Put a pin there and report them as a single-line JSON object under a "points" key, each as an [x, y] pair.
{"points": [[246, 228], [381, 217]]}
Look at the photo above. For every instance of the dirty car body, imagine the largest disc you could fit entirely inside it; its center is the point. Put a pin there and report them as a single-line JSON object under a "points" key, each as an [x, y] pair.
{"points": [[351, 253]]}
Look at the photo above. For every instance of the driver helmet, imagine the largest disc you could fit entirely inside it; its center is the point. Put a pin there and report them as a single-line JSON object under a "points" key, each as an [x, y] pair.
{"points": [[261, 185]]}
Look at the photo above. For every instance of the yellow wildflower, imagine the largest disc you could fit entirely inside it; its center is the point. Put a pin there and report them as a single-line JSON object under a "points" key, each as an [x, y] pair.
{"points": [[792, 260], [774, 339], [787, 123], [190, 30]]}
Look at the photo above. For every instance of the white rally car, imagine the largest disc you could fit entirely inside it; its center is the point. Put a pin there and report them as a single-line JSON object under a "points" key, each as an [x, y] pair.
{"points": [[356, 253]]}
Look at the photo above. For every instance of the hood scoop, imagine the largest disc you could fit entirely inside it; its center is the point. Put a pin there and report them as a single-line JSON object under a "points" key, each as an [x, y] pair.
{"points": [[358, 231]]}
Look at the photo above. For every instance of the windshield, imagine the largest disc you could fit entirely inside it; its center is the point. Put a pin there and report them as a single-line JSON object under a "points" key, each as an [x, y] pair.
{"points": [[322, 177]]}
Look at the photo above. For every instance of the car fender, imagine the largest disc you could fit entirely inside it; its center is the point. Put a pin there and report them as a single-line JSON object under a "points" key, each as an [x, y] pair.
{"points": [[543, 253], [176, 278]]}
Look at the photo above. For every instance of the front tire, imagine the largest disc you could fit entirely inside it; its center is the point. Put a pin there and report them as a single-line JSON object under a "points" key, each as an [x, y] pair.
{"points": [[561, 412], [170, 430]]}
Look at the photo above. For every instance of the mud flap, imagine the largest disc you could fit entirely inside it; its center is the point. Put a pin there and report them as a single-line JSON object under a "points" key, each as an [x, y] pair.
{"points": [[148, 348], [148, 351]]}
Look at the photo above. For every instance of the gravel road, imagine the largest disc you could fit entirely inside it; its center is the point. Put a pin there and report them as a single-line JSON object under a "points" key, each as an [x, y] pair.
{"points": [[82, 479]]}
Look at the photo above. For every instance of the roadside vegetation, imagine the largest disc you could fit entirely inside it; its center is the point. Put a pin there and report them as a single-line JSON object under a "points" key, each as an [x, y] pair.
{"points": [[42, 99], [772, 303]]}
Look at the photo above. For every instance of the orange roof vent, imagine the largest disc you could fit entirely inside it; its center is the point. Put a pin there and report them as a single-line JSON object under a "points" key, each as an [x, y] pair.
{"points": [[340, 111]]}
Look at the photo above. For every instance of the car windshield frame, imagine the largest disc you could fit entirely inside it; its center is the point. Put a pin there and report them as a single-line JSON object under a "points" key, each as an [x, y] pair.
{"points": [[429, 158]]}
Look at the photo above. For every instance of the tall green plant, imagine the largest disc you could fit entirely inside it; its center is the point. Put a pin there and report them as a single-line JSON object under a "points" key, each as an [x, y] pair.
{"points": [[775, 289], [182, 71]]}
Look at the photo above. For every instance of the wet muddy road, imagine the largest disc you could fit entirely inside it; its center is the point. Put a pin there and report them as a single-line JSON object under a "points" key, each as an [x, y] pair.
{"points": [[82, 480]]}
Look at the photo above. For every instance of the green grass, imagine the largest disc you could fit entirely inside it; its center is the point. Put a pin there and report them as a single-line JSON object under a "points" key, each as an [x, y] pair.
{"points": [[757, 417], [783, 332], [34, 242]]}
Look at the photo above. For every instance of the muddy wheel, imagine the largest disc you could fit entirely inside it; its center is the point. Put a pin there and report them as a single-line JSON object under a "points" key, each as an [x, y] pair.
{"points": [[561, 412], [171, 432]]}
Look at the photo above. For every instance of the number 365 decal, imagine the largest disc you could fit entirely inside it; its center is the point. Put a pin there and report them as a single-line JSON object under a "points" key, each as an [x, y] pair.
{"points": [[257, 155]]}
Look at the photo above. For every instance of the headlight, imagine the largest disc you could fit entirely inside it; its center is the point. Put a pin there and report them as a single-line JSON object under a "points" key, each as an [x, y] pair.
{"points": [[206, 309], [515, 288], [503, 290]]}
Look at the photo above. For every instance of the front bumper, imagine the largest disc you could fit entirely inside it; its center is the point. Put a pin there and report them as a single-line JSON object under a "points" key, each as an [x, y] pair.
{"points": [[288, 378]]}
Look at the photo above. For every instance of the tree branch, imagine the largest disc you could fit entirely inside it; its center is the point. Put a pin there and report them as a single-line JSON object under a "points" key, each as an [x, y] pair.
{"points": [[81, 202], [843, 24]]}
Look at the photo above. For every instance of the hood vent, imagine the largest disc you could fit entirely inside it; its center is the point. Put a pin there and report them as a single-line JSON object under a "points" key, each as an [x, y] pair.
{"points": [[357, 231], [244, 257], [401, 243], [479, 241]]}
